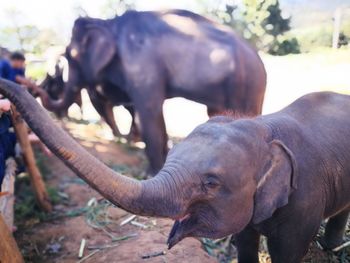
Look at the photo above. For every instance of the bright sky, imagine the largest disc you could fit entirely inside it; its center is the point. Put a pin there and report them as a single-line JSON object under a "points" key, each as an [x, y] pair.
{"points": [[60, 14]]}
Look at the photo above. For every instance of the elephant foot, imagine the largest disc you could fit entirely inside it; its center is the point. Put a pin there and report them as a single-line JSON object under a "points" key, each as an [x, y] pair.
{"points": [[134, 135], [330, 244], [118, 135], [133, 138], [335, 229]]}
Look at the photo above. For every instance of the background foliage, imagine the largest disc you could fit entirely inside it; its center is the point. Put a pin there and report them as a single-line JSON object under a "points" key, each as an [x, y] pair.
{"points": [[277, 27]]}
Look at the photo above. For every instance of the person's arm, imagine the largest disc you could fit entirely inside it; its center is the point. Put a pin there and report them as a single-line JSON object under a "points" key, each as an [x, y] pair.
{"points": [[24, 81], [28, 84], [5, 105]]}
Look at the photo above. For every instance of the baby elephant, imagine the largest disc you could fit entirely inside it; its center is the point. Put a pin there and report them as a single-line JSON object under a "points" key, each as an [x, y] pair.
{"points": [[278, 175]]}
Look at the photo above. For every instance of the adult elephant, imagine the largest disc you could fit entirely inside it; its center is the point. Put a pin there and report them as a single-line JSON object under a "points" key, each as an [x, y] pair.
{"points": [[152, 56]]}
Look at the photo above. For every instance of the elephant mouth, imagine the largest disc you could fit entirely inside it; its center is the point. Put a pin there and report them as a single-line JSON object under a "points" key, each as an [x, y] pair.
{"points": [[176, 233]]}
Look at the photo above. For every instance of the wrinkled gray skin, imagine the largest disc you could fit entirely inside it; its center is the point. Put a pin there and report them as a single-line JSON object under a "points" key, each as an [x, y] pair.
{"points": [[278, 175], [143, 58]]}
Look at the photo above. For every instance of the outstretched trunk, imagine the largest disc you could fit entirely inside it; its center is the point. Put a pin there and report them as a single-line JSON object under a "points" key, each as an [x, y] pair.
{"points": [[57, 105], [150, 197]]}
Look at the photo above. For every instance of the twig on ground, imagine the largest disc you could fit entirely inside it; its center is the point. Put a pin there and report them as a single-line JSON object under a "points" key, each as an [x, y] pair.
{"points": [[115, 239], [319, 245], [88, 256], [92, 202], [82, 247], [102, 247], [124, 222], [157, 254], [346, 244], [135, 223], [108, 234]]}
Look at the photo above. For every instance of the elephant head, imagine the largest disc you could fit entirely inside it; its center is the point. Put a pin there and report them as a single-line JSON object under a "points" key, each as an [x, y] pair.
{"points": [[53, 85], [90, 51], [225, 175], [230, 174]]}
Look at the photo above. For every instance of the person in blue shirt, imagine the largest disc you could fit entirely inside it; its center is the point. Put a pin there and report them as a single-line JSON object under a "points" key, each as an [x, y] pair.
{"points": [[17, 61], [13, 70]]}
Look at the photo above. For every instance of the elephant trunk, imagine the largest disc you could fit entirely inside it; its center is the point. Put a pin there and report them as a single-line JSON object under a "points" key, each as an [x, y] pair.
{"points": [[57, 105], [142, 198]]}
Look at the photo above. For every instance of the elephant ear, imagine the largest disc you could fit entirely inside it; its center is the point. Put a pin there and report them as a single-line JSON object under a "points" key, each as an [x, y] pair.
{"points": [[277, 183], [100, 48]]}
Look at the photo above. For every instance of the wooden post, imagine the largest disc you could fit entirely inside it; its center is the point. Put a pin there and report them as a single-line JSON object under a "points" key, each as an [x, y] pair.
{"points": [[35, 177], [9, 252], [8, 187]]}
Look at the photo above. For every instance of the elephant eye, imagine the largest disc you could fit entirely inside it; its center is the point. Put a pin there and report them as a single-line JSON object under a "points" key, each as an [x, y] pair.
{"points": [[211, 181]]}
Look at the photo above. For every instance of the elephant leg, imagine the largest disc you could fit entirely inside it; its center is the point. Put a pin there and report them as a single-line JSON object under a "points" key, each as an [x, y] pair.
{"points": [[61, 114], [64, 113], [79, 102], [134, 134], [290, 241], [247, 243], [153, 133], [106, 112], [335, 229], [109, 118]]}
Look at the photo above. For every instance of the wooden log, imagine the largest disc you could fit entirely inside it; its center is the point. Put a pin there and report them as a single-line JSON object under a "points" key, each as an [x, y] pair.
{"points": [[8, 186], [37, 182], [9, 252]]}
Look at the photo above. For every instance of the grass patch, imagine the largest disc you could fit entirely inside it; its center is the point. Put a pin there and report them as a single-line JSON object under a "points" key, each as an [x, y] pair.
{"points": [[41, 163], [26, 208], [25, 205]]}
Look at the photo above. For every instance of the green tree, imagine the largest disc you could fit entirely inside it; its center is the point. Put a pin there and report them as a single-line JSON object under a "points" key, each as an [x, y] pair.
{"points": [[18, 35], [343, 40], [274, 24], [23, 36], [260, 22]]}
